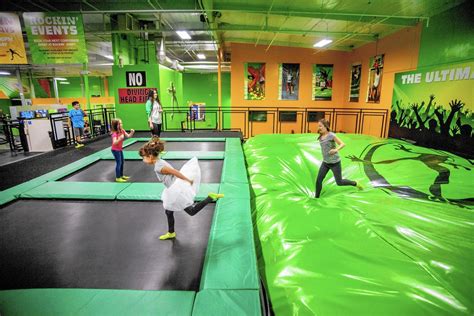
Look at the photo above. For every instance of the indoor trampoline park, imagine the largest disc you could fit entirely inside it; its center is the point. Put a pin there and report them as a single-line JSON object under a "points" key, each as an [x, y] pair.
{"points": [[236, 158]]}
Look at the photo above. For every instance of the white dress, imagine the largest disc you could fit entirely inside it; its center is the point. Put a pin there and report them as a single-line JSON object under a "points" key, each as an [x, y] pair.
{"points": [[181, 194]]}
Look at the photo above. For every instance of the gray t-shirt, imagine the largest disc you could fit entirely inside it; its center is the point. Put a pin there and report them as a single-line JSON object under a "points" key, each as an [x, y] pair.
{"points": [[327, 144], [155, 113], [167, 179]]}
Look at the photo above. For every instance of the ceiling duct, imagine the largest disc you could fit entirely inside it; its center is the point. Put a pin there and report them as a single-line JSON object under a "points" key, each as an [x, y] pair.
{"points": [[165, 60]]}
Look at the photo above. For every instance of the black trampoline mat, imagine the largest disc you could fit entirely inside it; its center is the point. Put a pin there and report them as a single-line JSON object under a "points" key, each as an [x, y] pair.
{"points": [[100, 244], [104, 171], [184, 146]]}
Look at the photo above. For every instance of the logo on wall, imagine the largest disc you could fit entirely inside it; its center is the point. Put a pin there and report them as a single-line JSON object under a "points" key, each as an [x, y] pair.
{"points": [[375, 78], [254, 81], [136, 78], [12, 47], [322, 82], [289, 75], [356, 72], [441, 166], [434, 107]]}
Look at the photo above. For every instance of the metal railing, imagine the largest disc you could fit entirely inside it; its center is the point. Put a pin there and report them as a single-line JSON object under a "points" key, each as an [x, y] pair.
{"points": [[251, 120]]}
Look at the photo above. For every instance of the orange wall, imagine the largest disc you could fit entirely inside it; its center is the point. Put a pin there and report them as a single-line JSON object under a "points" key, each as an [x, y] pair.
{"points": [[401, 54]]}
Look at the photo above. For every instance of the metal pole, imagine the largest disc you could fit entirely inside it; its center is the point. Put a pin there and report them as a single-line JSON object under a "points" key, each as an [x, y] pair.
{"points": [[20, 87], [55, 85]]}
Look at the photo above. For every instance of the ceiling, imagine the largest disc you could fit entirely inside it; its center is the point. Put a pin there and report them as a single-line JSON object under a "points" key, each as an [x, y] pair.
{"points": [[215, 24]]}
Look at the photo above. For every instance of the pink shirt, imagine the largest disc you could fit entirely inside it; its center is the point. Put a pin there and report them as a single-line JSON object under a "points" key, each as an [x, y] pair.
{"points": [[118, 146]]}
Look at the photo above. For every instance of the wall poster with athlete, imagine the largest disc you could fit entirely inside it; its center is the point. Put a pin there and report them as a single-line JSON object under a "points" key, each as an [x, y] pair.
{"points": [[289, 82], [254, 81], [322, 82], [12, 47], [356, 72], [374, 86], [434, 106]]}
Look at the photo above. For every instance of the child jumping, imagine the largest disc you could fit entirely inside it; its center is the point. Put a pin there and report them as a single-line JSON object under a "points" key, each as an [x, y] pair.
{"points": [[118, 135], [180, 190], [331, 159], [77, 121]]}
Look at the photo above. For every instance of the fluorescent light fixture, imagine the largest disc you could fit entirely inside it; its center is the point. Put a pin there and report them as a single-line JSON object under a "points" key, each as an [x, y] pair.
{"points": [[201, 56], [64, 82], [323, 42], [184, 35], [60, 79], [109, 57], [5, 73]]}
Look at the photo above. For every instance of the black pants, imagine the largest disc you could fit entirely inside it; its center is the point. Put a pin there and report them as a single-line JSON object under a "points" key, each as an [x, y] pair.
{"points": [[191, 210], [336, 171], [156, 131]]}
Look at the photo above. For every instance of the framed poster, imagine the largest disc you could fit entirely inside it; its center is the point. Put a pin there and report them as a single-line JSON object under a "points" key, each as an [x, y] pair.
{"points": [[375, 78], [254, 80], [289, 81], [322, 82], [12, 47], [356, 71]]}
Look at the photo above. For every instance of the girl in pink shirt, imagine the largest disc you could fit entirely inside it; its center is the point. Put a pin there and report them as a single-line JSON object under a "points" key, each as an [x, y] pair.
{"points": [[118, 135]]}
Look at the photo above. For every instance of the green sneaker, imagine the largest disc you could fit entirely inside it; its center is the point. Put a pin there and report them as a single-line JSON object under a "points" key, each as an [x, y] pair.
{"points": [[125, 177], [215, 196], [168, 235], [120, 180], [79, 145]]}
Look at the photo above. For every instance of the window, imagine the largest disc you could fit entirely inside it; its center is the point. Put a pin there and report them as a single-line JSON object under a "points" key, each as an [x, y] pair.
{"points": [[315, 116], [258, 116], [287, 116]]}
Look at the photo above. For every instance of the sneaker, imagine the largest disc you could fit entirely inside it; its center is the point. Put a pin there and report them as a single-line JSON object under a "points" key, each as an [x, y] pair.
{"points": [[215, 196], [125, 177], [120, 180], [168, 235], [79, 145], [359, 186]]}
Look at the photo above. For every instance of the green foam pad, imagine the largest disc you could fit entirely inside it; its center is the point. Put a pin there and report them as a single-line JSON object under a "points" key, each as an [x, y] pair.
{"points": [[153, 191], [235, 190], [230, 259], [133, 155], [184, 139], [52, 302], [227, 302], [394, 248], [234, 170], [76, 190]]}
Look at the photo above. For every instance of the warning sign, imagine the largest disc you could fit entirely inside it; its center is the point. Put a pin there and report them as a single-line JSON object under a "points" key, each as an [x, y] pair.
{"points": [[133, 95]]}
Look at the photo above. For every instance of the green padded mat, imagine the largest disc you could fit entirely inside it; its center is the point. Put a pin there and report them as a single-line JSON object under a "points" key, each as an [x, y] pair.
{"points": [[234, 170], [231, 248], [133, 155], [227, 302], [402, 246], [76, 190], [235, 190], [153, 191], [60, 302], [183, 139]]}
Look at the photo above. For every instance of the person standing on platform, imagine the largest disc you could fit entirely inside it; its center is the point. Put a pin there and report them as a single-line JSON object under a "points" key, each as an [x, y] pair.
{"points": [[76, 116], [154, 111]]}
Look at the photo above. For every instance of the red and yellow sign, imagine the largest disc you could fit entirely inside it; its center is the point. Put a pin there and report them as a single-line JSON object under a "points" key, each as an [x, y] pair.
{"points": [[12, 47], [133, 95]]}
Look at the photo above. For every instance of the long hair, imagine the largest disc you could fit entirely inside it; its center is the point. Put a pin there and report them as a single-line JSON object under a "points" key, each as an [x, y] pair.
{"points": [[153, 148], [115, 124], [325, 124], [151, 93]]}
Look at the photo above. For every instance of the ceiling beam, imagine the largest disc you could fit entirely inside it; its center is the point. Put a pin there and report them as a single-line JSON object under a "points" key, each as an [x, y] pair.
{"points": [[282, 43]]}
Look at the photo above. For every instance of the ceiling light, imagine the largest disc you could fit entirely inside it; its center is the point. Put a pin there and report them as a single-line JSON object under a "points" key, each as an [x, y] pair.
{"points": [[201, 56], [323, 43], [64, 82], [109, 57], [184, 35], [60, 79], [4, 73]]}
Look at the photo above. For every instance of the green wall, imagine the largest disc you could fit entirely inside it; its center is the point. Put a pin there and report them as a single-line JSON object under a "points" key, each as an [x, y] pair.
{"points": [[449, 38], [202, 88], [134, 115], [173, 120], [5, 105]]}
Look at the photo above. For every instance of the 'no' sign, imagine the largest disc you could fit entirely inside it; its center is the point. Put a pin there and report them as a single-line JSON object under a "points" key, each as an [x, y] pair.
{"points": [[136, 78]]}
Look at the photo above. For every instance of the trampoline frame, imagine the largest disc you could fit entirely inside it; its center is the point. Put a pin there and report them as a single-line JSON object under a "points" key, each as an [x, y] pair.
{"points": [[229, 274]]}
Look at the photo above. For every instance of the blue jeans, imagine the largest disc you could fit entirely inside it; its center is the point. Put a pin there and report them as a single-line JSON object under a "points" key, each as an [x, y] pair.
{"points": [[118, 155]]}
